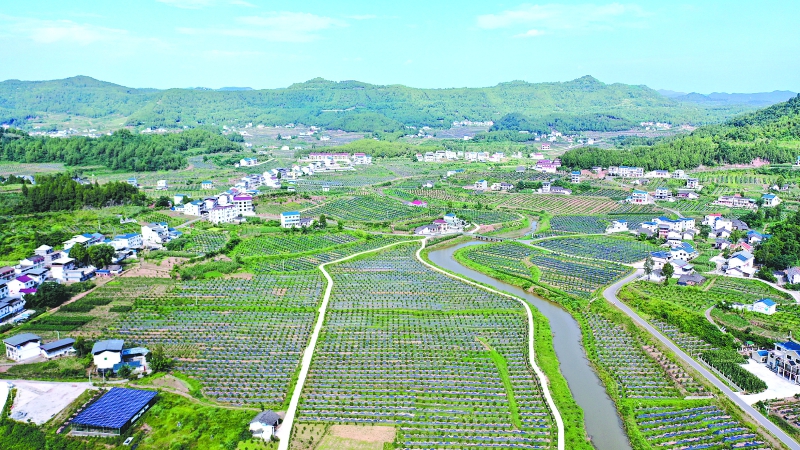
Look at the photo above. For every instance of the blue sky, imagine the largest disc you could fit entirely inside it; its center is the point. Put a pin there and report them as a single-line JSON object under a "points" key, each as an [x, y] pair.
{"points": [[701, 46]]}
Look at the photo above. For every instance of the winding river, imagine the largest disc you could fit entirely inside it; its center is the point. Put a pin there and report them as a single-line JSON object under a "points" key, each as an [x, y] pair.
{"points": [[600, 415]]}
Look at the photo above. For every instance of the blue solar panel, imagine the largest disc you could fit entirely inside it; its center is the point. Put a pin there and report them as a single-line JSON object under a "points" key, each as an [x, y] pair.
{"points": [[115, 408]]}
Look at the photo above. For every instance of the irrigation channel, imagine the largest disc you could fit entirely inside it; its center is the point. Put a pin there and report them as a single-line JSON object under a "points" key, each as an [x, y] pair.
{"points": [[600, 415]]}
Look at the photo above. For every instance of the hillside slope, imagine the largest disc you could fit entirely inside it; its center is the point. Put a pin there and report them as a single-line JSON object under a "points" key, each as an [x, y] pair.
{"points": [[772, 133], [348, 105]]}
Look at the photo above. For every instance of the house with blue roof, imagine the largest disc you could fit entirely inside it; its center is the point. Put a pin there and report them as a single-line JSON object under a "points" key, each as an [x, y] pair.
{"points": [[764, 306], [290, 219], [784, 360], [770, 200], [127, 241], [575, 176], [684, 251]]}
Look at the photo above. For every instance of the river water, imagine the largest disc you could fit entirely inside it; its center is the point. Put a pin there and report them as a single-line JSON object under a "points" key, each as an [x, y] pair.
{"points": [[600, 415]]}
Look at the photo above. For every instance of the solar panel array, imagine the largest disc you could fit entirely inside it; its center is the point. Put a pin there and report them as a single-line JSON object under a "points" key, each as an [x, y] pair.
{"points": [[115, 408]]}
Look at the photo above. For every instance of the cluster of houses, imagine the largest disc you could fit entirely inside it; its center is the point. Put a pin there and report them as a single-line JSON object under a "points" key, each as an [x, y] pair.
{"points": [[109, 356], [231, 206], [483, 186], [326, 160], [641, 197], [450, 155], [450, 223], [768, 200], [548, 188], [547, 165]]}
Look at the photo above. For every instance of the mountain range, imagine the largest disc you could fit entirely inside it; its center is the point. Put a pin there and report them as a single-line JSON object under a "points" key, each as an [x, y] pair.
{"points": [[758, 99], [353, 105]]}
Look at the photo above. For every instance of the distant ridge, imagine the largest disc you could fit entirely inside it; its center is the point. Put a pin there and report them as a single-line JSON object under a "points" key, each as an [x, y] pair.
{"points": [[233, 88], [758, 99]]}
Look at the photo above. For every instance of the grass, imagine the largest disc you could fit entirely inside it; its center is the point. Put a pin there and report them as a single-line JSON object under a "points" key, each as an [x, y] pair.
{"points": [[502, 368], [61, 369]]}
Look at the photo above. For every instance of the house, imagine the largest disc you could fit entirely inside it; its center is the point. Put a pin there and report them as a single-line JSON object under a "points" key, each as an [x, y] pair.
{"points": [[546, 166], [520, 169], [107, 353], [154, 234], [38, 275], [657, 174], [243, 205], [244, 162], [222, 214], [770, 200], [57, 348], [545, 146], [662, 194], [735, 201], [10, 306], [129, 240], [754, 237], [22, 346], [428, 184], [418, 203], [290, 219], [537, 155], [7, 273], [20, 283], [575, 176], [617, 226], [763, 306], [692, 279], [793, 275], [548, 188], [783, 360], [263, 426], [684, 250], [48, 254], [692, 183], [639, 197], [206, 185], [688, 194], [681, 267], [60, 266], [626, 172], [162, 185], [739, 264], [506, 186], [721, 244], [482, 185], [133, 182], [77, 275], [679, 174], [35, 261]]}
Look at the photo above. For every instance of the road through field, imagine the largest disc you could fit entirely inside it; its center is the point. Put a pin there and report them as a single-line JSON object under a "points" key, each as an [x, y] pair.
{"points": [[611, 295], [285, 430]]}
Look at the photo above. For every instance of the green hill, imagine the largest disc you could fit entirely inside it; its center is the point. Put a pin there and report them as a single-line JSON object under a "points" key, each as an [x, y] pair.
{"points": [[353, 105], [772, 133]]}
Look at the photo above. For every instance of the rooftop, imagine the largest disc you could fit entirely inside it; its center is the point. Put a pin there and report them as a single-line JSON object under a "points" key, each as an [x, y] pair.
{"points": [[115, 408], [111, 345], [21, 339], [55, 345]]}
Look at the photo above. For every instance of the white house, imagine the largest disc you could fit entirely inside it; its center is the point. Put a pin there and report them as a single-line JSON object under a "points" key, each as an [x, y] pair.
{"points": [[263, 426], [162, 185], [57, 348], [16, 285], [617, 226], [206, 185], [575, 176], [739, 264], [482, 185], [22, 346], [129, 240], [793, 275], [10, 306], [679, 174], [222, 214], [155, 233], [107, 353], [639, 197], [243, 205], [194, 208], [60, 266], [770, 200], [763, 306], [290, 219]]}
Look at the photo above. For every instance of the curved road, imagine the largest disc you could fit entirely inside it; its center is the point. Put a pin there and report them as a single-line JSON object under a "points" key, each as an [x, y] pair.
{"points": [[611, 295]]}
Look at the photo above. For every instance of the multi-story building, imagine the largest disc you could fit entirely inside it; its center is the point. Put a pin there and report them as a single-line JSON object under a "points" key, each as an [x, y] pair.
{"points": [[290, 219]]}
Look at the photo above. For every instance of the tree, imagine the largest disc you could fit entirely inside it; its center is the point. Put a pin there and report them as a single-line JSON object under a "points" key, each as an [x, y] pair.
{"points": [[82, 346], [159, 361], [79, 253], [49, 295], [648, 265], [163, 202], [667, 271], [124, 371], [101, 255], [323, 221], [340, 225], [765, 274]]}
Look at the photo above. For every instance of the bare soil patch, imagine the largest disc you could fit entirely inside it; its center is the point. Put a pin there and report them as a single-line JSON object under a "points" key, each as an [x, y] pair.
{"points": [[366, 434]]}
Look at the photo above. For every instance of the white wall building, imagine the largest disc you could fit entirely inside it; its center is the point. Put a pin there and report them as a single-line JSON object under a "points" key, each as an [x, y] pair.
{"points": [[22, 346], [290, 219]]}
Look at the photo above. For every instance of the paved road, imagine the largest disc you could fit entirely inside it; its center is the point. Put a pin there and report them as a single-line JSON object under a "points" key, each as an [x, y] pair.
{"points": [[539, 374], [611, 295], [285, 430]]}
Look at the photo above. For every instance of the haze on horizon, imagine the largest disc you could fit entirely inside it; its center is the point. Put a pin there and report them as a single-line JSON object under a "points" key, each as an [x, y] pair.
{"points": [[702, 46]]}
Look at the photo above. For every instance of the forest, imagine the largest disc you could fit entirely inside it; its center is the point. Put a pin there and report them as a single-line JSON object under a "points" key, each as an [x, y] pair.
{"points": [[122, 150], [782, 250], [580, 104], [61, 193], [738, 141]]}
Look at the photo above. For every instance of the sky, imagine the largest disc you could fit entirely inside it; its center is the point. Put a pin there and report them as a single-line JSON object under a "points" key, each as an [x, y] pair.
{"points": [[694, 46]]}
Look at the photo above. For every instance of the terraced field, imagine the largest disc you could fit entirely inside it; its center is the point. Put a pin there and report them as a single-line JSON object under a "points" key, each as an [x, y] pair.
{"points": [[624, 251], [443, 361]]}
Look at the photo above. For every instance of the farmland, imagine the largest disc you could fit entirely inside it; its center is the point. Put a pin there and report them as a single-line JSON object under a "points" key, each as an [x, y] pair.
{"points": [[594, 224], [560, 204], [443, 361], [625, 251]]}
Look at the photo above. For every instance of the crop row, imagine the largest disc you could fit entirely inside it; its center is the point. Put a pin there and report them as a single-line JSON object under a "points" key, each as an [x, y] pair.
{"points": [[600, 247], [560, 204]]}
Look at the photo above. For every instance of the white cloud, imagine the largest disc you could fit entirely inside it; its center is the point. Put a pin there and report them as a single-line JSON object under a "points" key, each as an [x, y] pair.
{"points": [[282, 26], [540, 19], [198, 4], [68, 31], [530, 33]]}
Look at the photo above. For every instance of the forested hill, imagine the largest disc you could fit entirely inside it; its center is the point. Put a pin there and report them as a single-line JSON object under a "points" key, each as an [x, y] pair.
{"points": [[771, 133], [348, 105]]}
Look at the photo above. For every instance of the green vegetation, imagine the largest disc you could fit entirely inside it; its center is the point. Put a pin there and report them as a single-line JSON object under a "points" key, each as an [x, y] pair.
{"points": [[121, 150], [762, 134], [351, 105], [61, 192]]}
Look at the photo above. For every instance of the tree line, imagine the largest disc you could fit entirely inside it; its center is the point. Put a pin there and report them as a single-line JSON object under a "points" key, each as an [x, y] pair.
{"points": [[61, 193]]}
